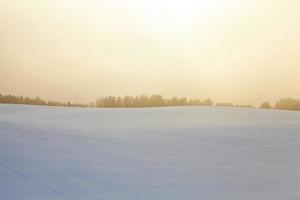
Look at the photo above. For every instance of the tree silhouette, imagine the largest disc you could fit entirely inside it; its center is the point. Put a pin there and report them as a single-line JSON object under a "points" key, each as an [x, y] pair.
{"points": [[288, 104], [265, 105]]}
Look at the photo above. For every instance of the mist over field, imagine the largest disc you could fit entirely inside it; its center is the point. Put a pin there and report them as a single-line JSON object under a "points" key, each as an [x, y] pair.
{"points": [[244, 52], [173, 153]]}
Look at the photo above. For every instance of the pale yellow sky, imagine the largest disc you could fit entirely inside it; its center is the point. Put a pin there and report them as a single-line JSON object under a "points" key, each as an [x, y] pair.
{"points": [[243, 51]]}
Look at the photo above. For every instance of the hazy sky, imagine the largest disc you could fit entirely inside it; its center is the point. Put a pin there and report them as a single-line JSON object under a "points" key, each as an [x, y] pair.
{"points": [[243, 51]]}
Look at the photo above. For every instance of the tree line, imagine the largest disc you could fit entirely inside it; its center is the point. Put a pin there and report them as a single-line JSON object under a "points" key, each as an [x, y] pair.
{"points": [[149, 101], [36, 101], [155, 100], [283, 104]]}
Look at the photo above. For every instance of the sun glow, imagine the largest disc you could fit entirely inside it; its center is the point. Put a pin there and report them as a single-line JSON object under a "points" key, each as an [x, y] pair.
{"points": [[177, 15]]}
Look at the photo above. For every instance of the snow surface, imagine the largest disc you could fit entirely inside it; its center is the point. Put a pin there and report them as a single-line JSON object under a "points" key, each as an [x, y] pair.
{"points": [[174, 153]]}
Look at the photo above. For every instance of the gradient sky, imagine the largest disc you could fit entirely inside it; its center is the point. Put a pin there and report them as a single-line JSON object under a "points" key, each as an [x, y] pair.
{"points": [[242, 51]]}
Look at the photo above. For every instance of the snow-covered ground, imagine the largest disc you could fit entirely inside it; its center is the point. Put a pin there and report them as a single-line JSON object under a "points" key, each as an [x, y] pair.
{"points": [[175, 153]]}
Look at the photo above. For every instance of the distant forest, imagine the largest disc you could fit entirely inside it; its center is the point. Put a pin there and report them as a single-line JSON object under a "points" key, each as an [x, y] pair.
{"points": [[146, 101]]}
